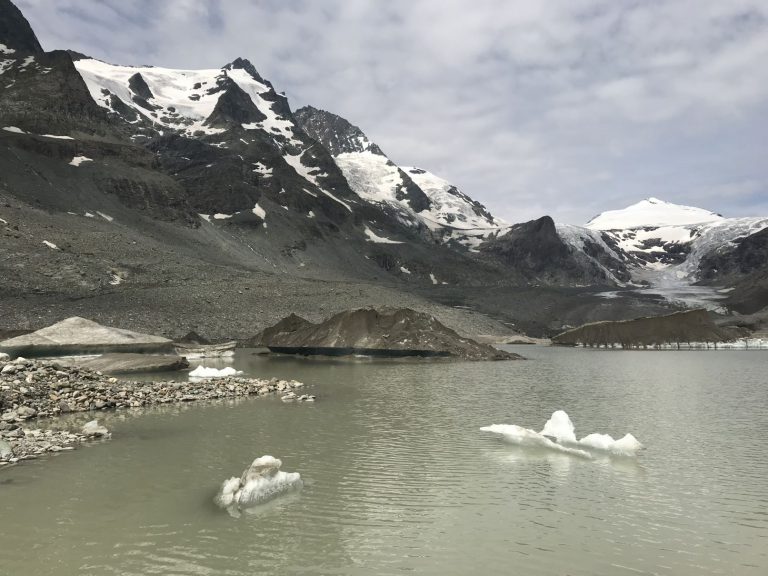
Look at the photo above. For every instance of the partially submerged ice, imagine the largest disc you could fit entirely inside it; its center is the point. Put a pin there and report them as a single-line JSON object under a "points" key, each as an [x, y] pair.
{"points": [[260, 482], [559, 434], [205, 372]]}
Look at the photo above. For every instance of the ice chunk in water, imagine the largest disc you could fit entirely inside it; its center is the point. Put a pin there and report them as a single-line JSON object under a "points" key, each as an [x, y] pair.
{"points": [[560, 427], [559, 434], [203, 372], [260, 482]]}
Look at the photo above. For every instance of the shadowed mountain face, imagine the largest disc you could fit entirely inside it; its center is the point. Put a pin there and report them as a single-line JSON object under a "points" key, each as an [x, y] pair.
{"points": [[15, 32], [537, 250]]}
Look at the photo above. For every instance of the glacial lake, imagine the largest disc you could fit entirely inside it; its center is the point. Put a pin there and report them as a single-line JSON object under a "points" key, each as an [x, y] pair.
{"points": [[399, 479]]}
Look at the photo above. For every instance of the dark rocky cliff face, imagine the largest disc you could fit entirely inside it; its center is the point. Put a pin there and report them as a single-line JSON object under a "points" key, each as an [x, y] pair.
{"points": [[535, 250], [339, 136], [747, 256], [15, 31]]}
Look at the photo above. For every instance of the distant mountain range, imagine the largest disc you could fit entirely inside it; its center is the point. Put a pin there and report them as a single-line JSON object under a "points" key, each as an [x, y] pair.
{"points": [[117, 177]]}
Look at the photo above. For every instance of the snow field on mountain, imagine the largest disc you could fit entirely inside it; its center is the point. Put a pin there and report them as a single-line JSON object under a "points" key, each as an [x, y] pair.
{"points": [[371, 176], [274, 124], [169, 87], [449, 208], [651, 212]]}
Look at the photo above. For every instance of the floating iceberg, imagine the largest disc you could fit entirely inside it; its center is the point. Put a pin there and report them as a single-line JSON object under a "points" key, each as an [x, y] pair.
{"points": [[260, 482], [203, 372], [559, 434]]}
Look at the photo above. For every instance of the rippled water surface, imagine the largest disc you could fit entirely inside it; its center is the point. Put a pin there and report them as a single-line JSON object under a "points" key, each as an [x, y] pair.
{"points": [[400, 480]]}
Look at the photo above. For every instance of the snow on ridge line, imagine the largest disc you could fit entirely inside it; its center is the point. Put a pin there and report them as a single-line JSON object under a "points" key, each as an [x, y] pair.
{"points": [[17, 130], [650, 213], [50, 245], [6, 50]]}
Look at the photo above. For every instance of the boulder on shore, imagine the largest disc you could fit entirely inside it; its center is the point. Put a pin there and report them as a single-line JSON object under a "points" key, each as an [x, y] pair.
{"points": [[690, 326], [80, 336], [384, 333]]}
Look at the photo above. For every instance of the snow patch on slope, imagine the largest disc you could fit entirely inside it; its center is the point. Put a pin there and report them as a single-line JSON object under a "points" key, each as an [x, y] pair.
{"points": [[373, 237], [77, 160]]}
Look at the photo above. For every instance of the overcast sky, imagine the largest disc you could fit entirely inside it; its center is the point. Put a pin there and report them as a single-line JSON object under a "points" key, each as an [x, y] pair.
{"points": [[560, 107]]}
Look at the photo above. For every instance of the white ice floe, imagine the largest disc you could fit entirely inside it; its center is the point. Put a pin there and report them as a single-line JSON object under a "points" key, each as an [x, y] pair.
{"points": [[260, 482], [373, 237], [204, 372], [77, 160], [559, 434], [50, 245]]}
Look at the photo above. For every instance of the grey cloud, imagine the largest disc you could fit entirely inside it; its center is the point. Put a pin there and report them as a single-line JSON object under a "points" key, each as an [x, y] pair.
{"points": [[566, 107]]}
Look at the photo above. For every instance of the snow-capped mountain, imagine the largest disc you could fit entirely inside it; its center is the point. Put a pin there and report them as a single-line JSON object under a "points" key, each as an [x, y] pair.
{"points": [[417, 197], [660, 241]]}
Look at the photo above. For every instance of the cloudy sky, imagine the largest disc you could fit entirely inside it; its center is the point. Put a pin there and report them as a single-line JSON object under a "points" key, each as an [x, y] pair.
{"points": [[560, 107]]}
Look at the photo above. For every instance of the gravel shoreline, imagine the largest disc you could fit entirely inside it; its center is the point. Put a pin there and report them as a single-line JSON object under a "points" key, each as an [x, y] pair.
{"points": [[33, 390]]}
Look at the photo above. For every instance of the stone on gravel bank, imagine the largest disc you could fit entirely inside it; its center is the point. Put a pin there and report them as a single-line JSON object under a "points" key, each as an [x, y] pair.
{"points": [[33, 389]]}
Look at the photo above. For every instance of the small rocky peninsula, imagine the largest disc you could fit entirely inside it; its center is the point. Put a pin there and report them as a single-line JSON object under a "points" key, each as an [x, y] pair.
{"points": [[32, 390]]}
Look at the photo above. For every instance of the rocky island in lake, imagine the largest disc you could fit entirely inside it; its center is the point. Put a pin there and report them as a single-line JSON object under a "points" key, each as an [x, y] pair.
{"points": [[383, 333]]}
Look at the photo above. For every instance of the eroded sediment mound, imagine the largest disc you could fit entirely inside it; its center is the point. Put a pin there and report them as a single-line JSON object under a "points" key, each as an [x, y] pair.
{"points": [[678, 328], [81, 336], [386, 332]]}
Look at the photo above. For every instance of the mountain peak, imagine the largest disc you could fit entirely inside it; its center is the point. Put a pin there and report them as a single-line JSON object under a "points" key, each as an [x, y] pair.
{"points": [[338, 135], [16, 35], [245, 64], [652, 213]]}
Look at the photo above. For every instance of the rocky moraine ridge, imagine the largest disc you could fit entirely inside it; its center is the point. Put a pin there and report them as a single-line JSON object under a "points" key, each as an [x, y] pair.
{"points": [[31, 390]]}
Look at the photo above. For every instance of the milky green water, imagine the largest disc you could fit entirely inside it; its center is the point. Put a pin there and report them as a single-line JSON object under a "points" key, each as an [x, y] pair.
{"points": [[400, 480]]}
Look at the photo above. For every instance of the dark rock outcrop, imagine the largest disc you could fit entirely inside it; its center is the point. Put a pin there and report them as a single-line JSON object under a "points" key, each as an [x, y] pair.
{"points": [[535, 250], [747, 256], [672, 329], [15, 31], [367, 331]]}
